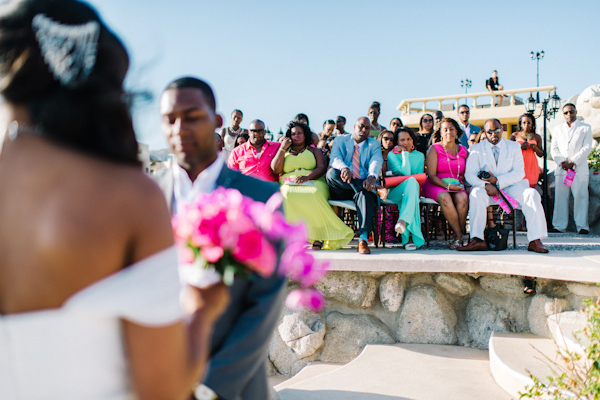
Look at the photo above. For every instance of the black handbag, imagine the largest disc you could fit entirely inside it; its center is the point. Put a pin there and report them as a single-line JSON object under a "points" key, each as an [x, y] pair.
{"points": [[497, 237]]}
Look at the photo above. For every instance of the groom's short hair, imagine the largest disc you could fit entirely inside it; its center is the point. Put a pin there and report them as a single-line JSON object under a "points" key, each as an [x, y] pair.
{"points": [[191, 82]]}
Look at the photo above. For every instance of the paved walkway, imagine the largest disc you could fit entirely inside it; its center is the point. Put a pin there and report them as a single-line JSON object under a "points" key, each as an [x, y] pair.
{"points": [[572, 257]]}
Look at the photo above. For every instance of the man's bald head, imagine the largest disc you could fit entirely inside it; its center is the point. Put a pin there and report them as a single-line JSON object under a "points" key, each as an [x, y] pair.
{"points": [[362, 129]]}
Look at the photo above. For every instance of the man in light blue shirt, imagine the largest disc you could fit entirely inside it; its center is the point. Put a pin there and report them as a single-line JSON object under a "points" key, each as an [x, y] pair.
{"points": [[356, 162]]}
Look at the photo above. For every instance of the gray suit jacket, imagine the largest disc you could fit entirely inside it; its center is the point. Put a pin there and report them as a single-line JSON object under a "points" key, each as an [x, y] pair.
{"points": [[241, 336]]}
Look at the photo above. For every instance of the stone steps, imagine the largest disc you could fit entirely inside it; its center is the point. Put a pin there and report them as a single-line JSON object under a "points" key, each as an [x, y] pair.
{"points": [[512, 355], [563, 327], [404, 371]]}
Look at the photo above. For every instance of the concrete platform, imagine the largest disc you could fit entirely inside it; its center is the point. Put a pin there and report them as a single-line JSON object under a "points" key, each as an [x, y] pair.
{"points": [[310, 371], [404, 372], [572, 258]]}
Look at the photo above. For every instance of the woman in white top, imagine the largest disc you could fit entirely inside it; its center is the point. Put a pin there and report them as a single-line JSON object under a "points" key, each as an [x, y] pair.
{"points": [[229, 134], [89, 291]]}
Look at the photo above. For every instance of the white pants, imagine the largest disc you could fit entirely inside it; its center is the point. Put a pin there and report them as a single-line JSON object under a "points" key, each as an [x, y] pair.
{"points": [[529, 201], [581, 201]]}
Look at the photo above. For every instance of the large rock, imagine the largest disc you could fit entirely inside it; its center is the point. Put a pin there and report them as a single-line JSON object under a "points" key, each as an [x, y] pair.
{"points": [[458, 285], [350, 288], [506, 285], [583, 289], [588, 108], [284, 358], [483, 318], [303, 332], [391, 291], [541, 307], [426, 317], [348, 334]]}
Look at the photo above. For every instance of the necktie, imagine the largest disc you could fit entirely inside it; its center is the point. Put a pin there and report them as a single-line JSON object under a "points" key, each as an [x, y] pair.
{"points": [[496, 153], [356, 163]]}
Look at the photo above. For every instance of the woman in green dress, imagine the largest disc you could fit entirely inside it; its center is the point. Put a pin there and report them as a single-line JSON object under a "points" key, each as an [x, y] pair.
{"points": [[305, 192], [403, 160]]}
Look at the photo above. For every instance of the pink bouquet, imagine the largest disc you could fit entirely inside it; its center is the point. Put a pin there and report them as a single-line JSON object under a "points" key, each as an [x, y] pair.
{"points": [[224, 235]]}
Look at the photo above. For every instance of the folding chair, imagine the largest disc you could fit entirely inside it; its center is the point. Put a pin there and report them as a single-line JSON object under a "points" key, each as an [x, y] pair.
{"points": [[348, 215]]}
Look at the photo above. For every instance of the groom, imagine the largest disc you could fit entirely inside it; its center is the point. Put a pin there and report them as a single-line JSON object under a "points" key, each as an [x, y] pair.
{"points": [[242, 334]]}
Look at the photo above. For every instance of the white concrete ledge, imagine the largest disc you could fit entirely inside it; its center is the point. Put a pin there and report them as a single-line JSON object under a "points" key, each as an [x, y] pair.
{"points": [[577, 265]]}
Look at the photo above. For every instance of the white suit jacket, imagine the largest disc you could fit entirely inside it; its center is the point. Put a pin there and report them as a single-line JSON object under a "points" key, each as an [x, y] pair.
{"points": [[509, 171], [576, 148]]}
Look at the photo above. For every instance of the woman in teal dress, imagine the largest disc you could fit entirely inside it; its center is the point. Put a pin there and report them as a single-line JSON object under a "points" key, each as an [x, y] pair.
{"points": [[305, 192], [403, 160]]}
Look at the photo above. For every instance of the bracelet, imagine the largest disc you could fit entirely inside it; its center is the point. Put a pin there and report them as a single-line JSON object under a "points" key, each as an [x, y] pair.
{"points": [[448, 186]]}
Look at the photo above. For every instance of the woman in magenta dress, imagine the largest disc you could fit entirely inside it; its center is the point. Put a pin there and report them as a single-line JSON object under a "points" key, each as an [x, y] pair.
{"points": [[446, 162]]}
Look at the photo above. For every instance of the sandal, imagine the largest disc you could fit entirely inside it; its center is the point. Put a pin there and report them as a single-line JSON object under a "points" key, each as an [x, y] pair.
{"points": [[400, 227], [455, 244], [410, 246], [317, 245]]}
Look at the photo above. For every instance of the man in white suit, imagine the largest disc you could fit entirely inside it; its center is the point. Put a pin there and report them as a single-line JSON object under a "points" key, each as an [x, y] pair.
{"points": [[571, 145], [503, 160]]}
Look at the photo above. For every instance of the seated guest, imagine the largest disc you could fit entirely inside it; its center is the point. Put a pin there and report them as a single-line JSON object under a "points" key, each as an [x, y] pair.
{"points": [[304, 190], [437, 119], [395, 123], [403, 160], [355, 166], [241, 139], [340, 126], [470, 132], [374, 111], [304, 119], [254, 157], [386, 141], [446, 162], [328, 129], [531, 147], [503, 161], [424, 134]]}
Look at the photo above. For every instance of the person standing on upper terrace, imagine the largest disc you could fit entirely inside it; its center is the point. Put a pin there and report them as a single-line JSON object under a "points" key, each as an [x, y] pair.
{"points": [[437, 118], [254, 157], [469, 131], [356, 162], [493, 84], [571, 145], [503, 161]]}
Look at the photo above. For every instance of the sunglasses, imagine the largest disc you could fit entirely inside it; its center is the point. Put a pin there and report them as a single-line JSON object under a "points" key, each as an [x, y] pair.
{"points": [[498, 131], [427, 120], [387, 138], [257, 130], [569, 112], [464, 112]]}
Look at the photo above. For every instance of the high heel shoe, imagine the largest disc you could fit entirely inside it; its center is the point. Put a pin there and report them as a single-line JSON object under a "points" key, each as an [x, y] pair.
{"points": [[400, 227]]}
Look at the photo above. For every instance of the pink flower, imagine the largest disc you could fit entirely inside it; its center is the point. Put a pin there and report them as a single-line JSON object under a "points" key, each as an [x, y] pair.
{"points": [[254, 250], [299, 299], [212, 254], [300, 265]]}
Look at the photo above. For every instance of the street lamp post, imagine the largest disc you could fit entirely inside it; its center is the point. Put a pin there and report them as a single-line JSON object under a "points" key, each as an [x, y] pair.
{"points": [[538, 56], [466, 83], [550, 106]]}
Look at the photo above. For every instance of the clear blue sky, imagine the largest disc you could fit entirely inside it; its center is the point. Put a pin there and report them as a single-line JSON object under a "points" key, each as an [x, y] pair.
{"points": [[274, 59]]}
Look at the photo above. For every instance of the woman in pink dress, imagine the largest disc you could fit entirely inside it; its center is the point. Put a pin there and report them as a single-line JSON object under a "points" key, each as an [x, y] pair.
{"points": [[446, 162]]}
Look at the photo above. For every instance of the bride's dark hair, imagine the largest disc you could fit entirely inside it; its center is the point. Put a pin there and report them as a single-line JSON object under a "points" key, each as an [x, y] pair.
{"points": [[91, 115]]}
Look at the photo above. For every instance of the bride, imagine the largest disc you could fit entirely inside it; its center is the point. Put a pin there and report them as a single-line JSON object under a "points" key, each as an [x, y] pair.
{"points": [[89, 292]]}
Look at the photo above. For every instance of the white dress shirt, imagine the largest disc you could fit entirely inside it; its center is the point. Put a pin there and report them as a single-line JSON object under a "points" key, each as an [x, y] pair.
{"points": [[184, 190]]}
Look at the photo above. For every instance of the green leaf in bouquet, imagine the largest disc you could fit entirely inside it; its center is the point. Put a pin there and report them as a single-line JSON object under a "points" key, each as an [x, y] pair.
{"points": [[229, 274]]}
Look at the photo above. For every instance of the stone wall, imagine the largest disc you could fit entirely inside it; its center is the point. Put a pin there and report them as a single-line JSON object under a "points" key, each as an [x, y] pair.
{"points": [[385, 307]]}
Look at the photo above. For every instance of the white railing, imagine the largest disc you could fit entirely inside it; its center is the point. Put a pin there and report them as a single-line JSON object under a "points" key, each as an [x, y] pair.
{"points": [[406, 105]]}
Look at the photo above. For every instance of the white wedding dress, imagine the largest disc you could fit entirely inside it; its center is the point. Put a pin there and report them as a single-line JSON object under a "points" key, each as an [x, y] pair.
{"points": [[77, 351]]}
